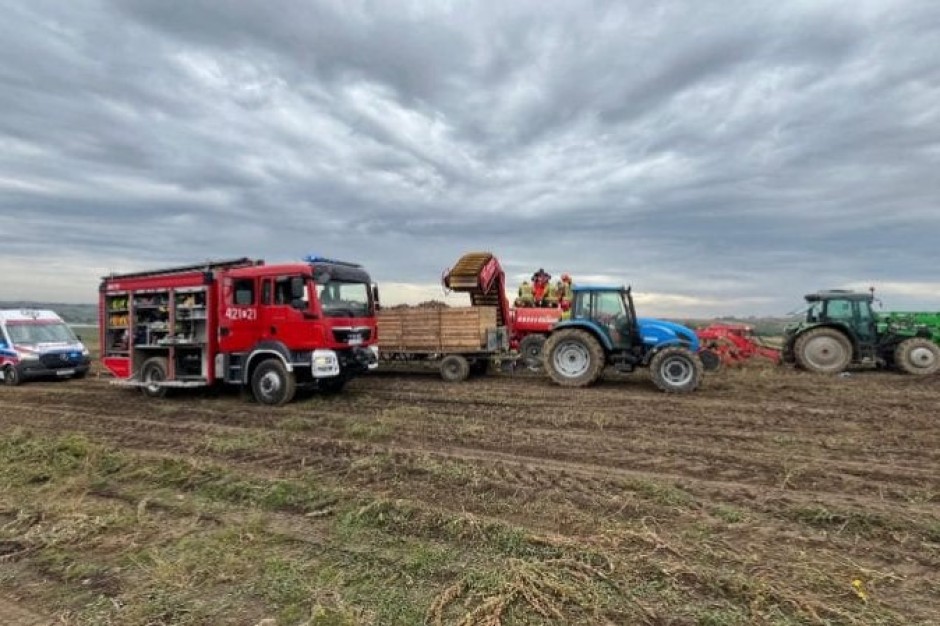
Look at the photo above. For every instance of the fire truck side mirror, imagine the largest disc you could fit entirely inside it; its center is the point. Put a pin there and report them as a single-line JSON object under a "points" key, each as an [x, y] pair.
{"points": [[375, 297]]}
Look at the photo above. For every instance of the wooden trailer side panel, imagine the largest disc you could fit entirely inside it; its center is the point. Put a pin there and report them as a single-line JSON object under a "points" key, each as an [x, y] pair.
{"points": [[457, 329]]}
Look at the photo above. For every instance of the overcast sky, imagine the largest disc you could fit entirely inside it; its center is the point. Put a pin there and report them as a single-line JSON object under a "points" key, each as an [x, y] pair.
{"points": [[721, 157]]}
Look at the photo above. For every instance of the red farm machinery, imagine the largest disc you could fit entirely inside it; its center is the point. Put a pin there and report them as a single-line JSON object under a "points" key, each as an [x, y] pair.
{"points": [[734, 344]]}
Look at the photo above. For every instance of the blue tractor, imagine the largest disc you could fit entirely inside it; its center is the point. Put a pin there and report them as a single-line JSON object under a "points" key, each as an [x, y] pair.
{"points": [[603, 330]]}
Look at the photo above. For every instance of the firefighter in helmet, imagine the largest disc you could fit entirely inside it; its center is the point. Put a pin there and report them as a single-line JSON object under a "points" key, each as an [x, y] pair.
{"points": [[525, 297], [563, 289]]}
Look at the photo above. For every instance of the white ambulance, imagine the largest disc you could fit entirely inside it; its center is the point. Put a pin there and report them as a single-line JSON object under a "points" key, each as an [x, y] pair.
{"points": [[39, 344]]}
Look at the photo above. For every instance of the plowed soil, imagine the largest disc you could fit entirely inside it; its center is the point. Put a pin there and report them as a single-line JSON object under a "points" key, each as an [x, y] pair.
{"points": [[768, 496]]}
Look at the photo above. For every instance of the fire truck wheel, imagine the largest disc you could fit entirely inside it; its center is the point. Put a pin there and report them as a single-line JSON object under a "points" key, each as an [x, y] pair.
{"points": [[676, 370], [153, 372], [531, 348], [918, 356], [454, 368], [11, 376], [272, 384]]}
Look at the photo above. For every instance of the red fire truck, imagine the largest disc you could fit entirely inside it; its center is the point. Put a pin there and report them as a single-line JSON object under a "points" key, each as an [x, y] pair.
{"points": [[269, 328]]}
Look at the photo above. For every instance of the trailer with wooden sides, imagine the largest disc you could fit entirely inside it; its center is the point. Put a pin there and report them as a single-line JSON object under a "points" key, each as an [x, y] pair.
{"points": [[464, 340]]}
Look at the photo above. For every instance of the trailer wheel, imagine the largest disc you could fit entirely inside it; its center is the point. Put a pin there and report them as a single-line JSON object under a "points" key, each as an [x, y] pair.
{"points": [[676, 370], [573, 358], [154, 372], [272, 384], [917, 356], [11, 376], [454, 368], [823, 351], [531, 348]]}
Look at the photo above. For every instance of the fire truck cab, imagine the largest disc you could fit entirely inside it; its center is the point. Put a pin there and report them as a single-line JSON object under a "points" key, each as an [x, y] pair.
{"points": [[269, 328]]}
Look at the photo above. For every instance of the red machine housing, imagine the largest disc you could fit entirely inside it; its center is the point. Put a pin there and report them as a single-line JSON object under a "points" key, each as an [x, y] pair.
{"points": [[735, 343], [481, 275], [218, 322]]}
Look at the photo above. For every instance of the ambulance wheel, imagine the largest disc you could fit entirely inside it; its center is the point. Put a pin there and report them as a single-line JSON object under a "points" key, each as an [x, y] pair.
{"points": [[152, 374], [11, 376]]}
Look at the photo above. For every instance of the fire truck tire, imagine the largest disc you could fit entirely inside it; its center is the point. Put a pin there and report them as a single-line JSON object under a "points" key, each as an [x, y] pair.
{"points": [[154, 371], [676, 370], [11, 376], [531, 348], [454, 368], [573, 358], [918, 356], [272, 384], [823, 351]]}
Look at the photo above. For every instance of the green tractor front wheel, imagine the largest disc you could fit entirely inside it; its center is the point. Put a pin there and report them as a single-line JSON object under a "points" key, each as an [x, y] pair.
{"points": [[918, 356]]}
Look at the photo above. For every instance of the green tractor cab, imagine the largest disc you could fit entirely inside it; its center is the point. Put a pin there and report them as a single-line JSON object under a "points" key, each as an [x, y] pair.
{"points": [[840, 328]]}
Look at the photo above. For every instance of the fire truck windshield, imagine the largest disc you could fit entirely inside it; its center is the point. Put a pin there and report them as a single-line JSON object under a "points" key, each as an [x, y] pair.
{"points": [[344, 299]]}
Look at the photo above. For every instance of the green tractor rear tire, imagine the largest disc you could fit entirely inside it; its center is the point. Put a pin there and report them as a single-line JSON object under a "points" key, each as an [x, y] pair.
{"points": [[823, 350], [918, 356], [573, 358], [676, 370]]}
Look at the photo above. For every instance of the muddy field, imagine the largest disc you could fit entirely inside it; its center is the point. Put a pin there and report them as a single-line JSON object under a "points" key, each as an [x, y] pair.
{"points": [[768, 497]]}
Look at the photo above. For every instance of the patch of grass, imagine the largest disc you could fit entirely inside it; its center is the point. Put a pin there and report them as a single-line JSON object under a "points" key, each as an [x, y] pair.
{"points": [[858, 522], [663, 494], [368, 430], [235, 443], [729, 513]]}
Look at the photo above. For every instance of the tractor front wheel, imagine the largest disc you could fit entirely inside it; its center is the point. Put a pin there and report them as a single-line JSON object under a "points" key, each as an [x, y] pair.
{"points": [[917, 356], [823, 351], [676, 370], [573, 358]]}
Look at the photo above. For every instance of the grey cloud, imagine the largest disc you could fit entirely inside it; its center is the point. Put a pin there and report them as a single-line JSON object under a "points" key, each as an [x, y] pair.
{"points": [[699, 148]]}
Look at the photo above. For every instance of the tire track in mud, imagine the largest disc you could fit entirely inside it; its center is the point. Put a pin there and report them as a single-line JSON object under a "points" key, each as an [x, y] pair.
{"points": [[336, 455]]}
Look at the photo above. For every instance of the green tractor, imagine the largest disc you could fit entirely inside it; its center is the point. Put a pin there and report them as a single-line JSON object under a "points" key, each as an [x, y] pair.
{"points": [[841, 328]]}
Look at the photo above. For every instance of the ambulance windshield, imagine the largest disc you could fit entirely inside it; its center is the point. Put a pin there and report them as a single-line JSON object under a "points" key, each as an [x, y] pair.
{"points": [[32, 333]]}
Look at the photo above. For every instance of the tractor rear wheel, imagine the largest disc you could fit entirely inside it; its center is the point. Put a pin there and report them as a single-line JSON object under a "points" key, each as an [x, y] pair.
{"points": [[454, 368], [917, 356], [676, 370], [531, 348], [573, 358], [823, 351]]}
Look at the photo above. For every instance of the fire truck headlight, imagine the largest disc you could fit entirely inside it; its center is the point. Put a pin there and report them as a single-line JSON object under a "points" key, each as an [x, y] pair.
{"points": [[325, 364]]}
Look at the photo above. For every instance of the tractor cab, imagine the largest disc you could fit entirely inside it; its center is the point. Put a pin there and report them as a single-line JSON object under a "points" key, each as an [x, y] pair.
{"points": [[849, 311], [609, 310]]}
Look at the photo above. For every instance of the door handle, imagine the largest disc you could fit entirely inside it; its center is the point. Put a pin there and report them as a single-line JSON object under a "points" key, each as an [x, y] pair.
{"points": [[224, 332]]}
